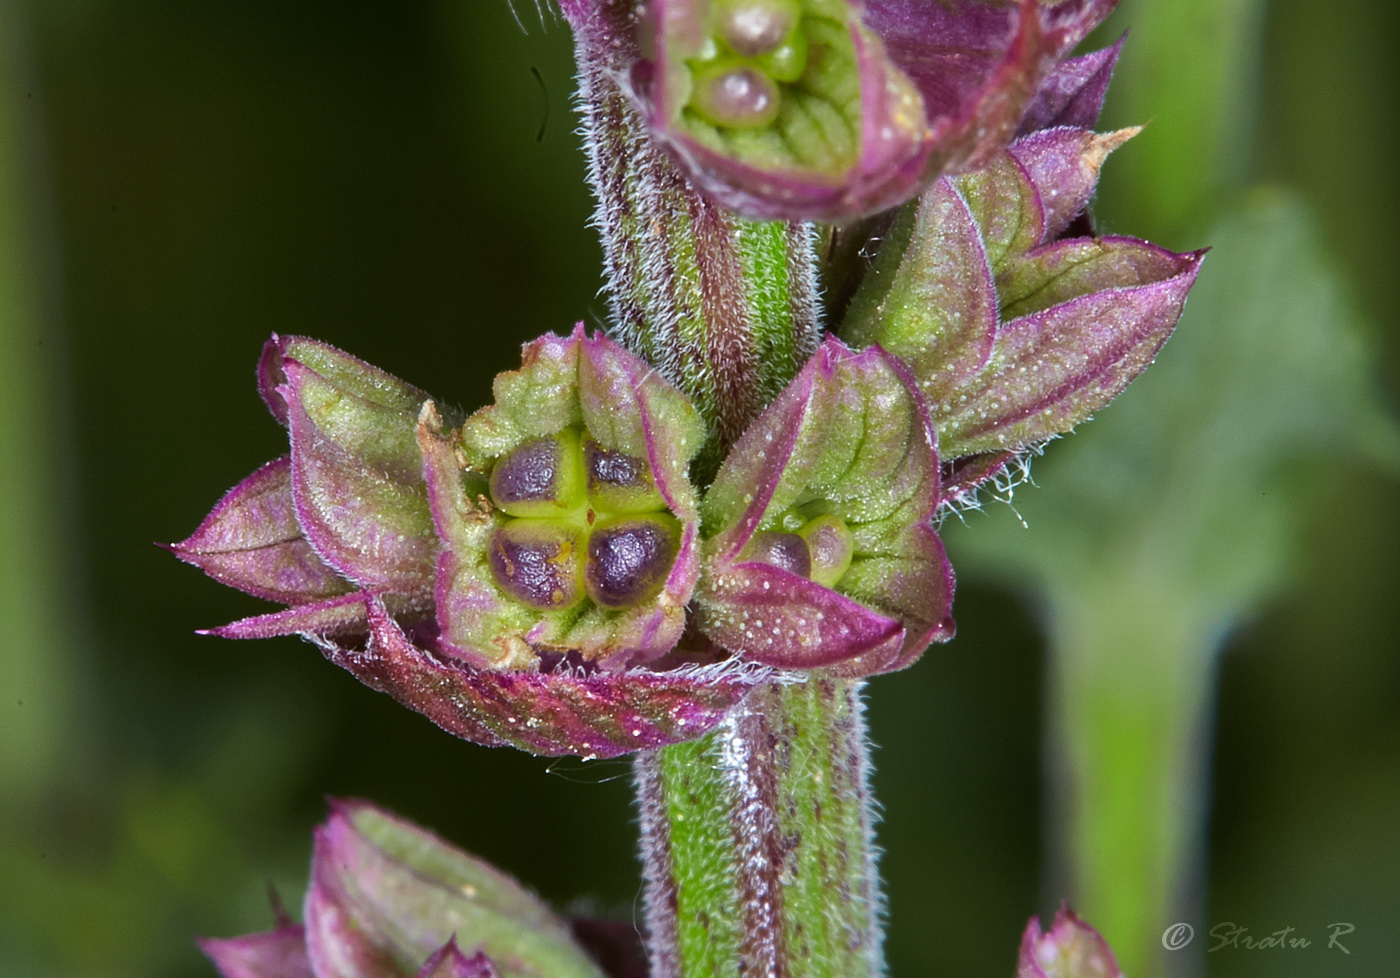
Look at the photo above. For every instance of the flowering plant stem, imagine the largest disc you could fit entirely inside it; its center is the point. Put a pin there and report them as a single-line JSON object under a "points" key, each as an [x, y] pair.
{"points": [[757, 842], [756, 839]]}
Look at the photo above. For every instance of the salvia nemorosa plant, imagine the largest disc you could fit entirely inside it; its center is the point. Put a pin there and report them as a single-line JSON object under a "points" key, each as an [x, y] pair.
{"points": [[692, 535]]}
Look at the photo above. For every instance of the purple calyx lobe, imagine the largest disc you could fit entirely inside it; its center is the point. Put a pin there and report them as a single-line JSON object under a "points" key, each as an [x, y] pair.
{"points": [[343, 517]]}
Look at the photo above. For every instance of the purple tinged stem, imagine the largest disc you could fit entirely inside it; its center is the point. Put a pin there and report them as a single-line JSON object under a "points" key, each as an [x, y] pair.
{"points": [[678, 265], [752, 865]]}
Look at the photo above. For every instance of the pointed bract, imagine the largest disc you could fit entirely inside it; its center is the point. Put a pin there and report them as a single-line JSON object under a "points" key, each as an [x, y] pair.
{"points": [[337, 617], [562, 710], [279, 953]]}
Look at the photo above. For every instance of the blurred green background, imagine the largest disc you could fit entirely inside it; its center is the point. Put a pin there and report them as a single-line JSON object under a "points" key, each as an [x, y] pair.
{"points": [[178, 180]]}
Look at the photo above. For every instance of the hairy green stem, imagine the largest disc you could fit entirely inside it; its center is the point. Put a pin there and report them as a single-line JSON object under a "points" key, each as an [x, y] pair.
{"points": [[756, 840], [725, 307]]}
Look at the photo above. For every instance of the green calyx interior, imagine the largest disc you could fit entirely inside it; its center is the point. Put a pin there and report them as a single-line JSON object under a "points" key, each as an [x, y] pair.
{"points": [[579, 523], [775, 84]]}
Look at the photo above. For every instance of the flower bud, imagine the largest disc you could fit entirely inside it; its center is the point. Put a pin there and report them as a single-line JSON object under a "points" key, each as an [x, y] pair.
{"points": [[835, 109], [388, 898], [1069, 949], [1015, 331]]}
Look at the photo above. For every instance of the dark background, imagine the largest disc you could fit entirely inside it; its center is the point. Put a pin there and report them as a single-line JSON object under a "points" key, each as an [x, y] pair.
{"points": [[403, 180]]}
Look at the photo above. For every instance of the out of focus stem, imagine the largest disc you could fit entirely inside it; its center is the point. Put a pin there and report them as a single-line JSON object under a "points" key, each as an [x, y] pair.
{"points": [[1132, 670], [1129, 727], [756, 839], [36, 593]]}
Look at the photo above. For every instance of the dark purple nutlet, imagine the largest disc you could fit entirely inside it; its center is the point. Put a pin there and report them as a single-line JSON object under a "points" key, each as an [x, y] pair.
{"points": [[629, 558], [618, 482], [541, 478], [785, 550], [538, 562]]}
